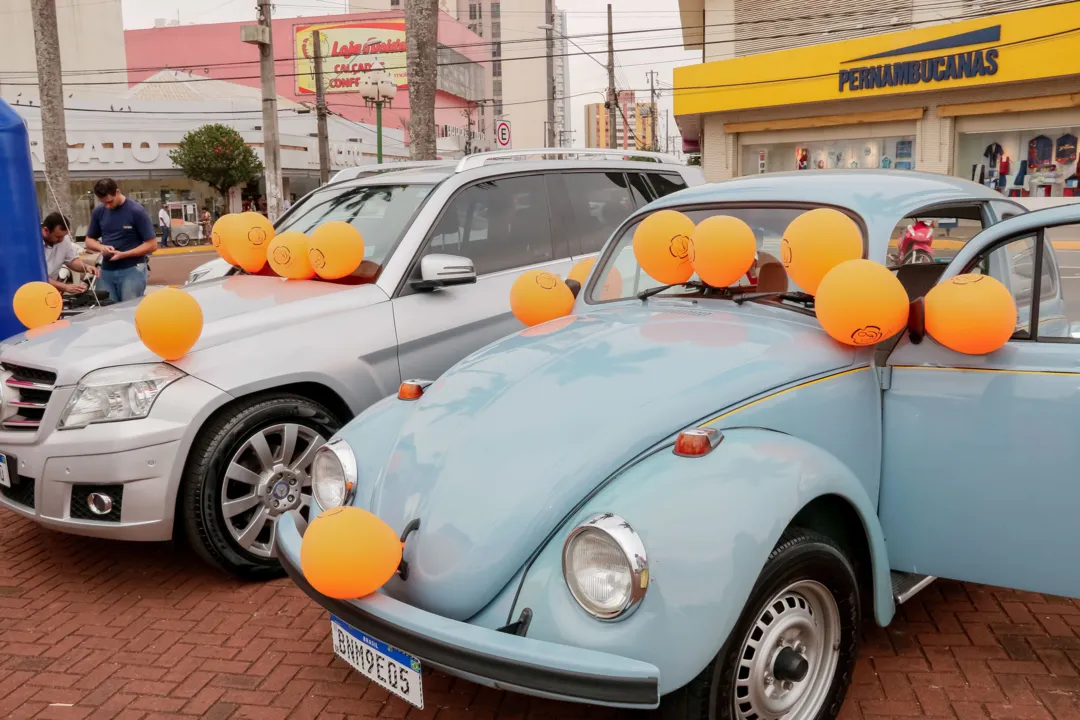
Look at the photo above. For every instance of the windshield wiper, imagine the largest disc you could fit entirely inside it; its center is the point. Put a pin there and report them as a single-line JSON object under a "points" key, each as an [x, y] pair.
{"points": [[693, 284], [798, 297]]}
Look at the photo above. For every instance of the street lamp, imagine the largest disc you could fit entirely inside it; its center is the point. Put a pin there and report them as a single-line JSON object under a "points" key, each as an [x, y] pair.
{"points": [[378, 88]]}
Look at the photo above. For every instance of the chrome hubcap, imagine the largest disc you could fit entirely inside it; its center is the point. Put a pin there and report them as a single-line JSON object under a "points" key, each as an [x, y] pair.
{"points": [[790, 656], [269, 475]]}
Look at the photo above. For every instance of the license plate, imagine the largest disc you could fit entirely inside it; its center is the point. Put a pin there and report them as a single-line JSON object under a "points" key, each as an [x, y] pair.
{"points": [[384, 665], [5, 478]]}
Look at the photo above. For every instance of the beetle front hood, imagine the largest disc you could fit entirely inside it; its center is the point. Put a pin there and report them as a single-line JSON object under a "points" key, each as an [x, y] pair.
{"points": [[503, 446]]}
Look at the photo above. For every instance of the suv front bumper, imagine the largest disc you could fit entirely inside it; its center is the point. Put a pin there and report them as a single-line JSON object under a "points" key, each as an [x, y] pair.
{"points": [[488, 657], [138, 463]]}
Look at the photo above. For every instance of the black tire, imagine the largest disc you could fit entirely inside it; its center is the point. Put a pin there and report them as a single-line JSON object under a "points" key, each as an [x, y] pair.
{"points": [[181, 240], [202, 516], [799, 555]]}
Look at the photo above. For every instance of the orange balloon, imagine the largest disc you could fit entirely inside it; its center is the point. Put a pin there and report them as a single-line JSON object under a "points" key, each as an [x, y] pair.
{"points": [[662, 246], [971, 314], [860, 302], [169, 322], [612, 287], [538, 296], [335, 250], [37, 303], [816, 242], [348, 553], [288, 256], [247, 243], [722, 249], [225, 227]]}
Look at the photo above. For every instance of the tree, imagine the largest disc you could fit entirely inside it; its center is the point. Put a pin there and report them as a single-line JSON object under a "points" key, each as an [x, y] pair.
{"points": [[421, 55], [218, 156], [53, 128]]}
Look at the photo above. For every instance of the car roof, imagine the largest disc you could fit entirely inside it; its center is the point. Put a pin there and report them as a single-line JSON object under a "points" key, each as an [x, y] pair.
{"points": [[508, 167], [880, 197]]}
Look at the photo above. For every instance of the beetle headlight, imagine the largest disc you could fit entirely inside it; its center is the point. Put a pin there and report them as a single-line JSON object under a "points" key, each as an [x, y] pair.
{"points": [[605, 567], [333, 475]]}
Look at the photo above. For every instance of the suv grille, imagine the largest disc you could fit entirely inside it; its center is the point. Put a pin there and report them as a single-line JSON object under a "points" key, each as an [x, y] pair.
{"points": [[27, 391]]}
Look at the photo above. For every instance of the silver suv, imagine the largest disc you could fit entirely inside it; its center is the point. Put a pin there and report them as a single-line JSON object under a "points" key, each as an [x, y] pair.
{"points": [[99, 438]]}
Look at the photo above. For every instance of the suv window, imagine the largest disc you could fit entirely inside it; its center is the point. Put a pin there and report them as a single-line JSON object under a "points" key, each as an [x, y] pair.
{"points": [[498, 224], [599, 202], [380, 212], [639, 186], [666, 183]]}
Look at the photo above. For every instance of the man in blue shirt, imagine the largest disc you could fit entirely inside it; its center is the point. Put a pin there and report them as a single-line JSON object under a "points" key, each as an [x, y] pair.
{"points": [[121, 230]]}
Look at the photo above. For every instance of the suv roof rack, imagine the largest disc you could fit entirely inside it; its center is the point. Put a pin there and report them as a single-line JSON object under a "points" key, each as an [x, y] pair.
{"points": [[480, 159], [351, 173]]}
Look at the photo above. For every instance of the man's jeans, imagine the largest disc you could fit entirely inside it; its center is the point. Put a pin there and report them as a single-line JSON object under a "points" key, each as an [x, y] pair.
{"points": [[125, 283], [165, 235]]}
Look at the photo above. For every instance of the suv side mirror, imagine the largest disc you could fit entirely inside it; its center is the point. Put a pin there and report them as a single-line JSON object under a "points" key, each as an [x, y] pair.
{"points": [[438, 271]]}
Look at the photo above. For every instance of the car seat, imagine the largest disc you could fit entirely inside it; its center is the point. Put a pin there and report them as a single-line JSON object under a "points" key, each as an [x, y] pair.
{"points": [[772, 277], [918, 278]]}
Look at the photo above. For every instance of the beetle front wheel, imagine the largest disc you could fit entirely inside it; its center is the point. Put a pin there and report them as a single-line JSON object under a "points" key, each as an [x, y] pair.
{"points": [[792, 651]]}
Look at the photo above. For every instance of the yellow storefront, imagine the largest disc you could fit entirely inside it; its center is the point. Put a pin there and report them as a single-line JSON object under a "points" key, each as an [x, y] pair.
{"points": [[995, 99]]}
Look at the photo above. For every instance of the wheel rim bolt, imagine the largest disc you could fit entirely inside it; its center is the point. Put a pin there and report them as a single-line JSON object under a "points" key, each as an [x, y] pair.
{"points": [[768, 679], [788, 684]]}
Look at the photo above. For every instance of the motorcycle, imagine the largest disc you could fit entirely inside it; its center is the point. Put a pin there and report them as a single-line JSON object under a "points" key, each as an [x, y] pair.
{"points": [[916, 245]]}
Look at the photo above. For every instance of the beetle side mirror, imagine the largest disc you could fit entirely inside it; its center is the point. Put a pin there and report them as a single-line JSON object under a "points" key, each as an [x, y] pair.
{"points": [[916, 321], [439, 271], [574, 285]]}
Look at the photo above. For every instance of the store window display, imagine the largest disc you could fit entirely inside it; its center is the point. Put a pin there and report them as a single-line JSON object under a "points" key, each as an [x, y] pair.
{"points": [[1023, 163], [867, 153]]}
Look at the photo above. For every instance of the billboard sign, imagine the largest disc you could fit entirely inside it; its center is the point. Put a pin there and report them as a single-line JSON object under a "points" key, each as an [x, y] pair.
{"points": [[349, 50]]}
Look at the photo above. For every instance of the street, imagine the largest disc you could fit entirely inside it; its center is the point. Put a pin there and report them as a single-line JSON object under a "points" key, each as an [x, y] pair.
{"points": [[98, 629]]}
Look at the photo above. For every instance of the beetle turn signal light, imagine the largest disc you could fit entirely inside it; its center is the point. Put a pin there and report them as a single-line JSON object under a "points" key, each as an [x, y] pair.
{"points": [[412, 389], [697, 441]]}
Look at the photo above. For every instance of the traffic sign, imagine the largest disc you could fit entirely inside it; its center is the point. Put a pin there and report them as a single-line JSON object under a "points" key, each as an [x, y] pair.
{"points": [[502, 134]]}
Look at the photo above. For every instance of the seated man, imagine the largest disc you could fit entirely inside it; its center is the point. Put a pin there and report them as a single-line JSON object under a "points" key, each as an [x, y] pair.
{"points": [[60, 251]]}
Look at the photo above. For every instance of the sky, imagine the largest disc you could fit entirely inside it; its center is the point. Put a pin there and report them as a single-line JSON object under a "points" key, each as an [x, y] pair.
{"points": [[652, 20]]}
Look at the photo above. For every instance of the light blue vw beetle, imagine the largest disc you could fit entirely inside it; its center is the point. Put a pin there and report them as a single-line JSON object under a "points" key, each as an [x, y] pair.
{"points": [[689, 498]]}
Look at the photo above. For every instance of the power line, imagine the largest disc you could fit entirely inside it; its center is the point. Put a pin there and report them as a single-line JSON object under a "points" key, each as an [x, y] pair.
{"points": [[941, 4]]}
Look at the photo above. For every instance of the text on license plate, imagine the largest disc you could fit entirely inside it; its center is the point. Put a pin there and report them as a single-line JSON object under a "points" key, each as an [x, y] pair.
{"points": [[384, 665], [5, 479]]}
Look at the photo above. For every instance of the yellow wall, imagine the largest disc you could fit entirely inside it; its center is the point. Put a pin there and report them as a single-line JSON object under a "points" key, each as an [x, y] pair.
{"points": [[1034, 44]]}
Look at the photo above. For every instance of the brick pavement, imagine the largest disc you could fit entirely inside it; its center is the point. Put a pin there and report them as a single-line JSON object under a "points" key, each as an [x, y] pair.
{"points": [[94, 629]]}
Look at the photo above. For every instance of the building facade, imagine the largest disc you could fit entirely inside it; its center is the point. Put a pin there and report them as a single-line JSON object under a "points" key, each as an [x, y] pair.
{"points": [[633, 129], [518, 67], [992, 97], [352, 44]]}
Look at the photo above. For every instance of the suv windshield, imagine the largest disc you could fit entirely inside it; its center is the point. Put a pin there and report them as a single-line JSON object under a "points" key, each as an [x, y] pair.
{"points": [[380, 212], [623, 277]]}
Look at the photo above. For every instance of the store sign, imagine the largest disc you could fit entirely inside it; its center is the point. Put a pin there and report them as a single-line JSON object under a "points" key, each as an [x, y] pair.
{"points": [[1019, 47], [349, 50], [87, 151], [972, 64]]}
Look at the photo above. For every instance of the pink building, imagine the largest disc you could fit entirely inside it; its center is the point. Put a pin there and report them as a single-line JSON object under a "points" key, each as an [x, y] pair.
{"points": [[351, 44]]}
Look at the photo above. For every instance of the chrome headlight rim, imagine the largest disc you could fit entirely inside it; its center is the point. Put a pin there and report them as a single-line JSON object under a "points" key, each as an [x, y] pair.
{"points": [[633, 549], [164, 372], [342, 452]]}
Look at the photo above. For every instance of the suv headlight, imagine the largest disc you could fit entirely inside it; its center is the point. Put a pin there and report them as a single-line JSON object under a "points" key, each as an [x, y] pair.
{"points": [[605, 567], [333, 475], [119, 393]]}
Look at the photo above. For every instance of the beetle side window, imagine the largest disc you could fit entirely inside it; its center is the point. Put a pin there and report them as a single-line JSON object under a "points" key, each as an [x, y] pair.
{"points": [[1014, 265], [599, 202], [933, 235], [666, 183], [499, 224]]}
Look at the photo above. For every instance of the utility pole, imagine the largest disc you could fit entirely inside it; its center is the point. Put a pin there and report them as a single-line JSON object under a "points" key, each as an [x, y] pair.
{"points": [[263, 36], [467, 112], [421, 56], [51, 88], [549, 19], [320, 108], [652, 112], [613, 99]]}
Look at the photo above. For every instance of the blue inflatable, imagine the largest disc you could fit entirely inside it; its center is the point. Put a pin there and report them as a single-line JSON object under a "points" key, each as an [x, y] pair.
{"points": [[22, 256]]}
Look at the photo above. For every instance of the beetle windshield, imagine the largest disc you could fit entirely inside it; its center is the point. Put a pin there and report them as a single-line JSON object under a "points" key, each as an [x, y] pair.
{"points": [[622, 277], [380, 212]]}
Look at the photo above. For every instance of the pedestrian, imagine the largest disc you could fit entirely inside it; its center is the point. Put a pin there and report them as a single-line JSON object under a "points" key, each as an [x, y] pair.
{"points": [[165, 222], [121, 230], [206, 222], [60, 251]]}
